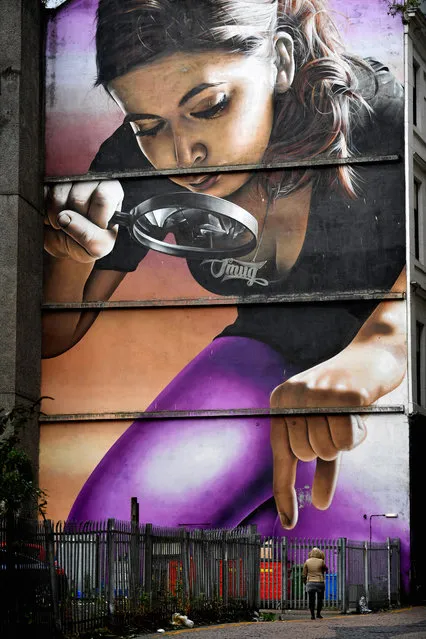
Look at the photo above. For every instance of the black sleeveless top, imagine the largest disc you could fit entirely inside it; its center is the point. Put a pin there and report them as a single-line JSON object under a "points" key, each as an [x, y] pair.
{"points": [[351, 246]]}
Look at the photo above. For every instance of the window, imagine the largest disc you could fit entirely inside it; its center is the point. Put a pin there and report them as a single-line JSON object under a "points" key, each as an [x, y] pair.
{"points": [[420, 363], [418, 214], [417, 187], [416, 69]]}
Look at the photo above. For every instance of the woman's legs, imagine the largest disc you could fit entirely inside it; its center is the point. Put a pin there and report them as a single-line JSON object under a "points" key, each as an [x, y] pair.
{"points": [[211, 471], [320, 600], [317, 592], [311, 598]]}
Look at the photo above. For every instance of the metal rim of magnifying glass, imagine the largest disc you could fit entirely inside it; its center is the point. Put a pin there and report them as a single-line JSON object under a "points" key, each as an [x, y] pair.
{"points": [[202, 201]]}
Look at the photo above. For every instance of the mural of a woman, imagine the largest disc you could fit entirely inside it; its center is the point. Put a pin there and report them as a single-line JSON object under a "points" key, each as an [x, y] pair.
{"points": [[234, 82]]}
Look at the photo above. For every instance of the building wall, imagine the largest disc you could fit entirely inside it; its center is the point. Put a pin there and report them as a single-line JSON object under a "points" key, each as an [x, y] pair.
{"points": [[146, 402], [415, 29], [416, 57], [20, 209]]}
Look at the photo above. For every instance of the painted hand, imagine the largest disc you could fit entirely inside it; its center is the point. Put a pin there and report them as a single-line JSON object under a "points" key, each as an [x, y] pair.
{"points": [[77, 216], [322, 437]]}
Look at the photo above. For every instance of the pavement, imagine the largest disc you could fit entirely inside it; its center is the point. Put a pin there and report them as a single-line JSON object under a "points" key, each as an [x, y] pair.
{"points": [[402, 623]]}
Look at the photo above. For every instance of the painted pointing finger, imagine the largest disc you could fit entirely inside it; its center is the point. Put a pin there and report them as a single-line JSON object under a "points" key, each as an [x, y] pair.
{"points": [[325, 480], [284, 471]]}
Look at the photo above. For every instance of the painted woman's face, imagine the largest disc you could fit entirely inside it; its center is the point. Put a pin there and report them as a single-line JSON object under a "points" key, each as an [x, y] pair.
{"points": [[200, 109]]}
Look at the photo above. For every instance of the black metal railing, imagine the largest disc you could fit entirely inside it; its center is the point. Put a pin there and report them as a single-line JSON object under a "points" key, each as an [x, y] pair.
{"points": [[76, 577]]}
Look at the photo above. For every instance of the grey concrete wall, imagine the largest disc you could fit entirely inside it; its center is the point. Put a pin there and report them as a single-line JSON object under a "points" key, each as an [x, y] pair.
{"points": [[21, 170]]}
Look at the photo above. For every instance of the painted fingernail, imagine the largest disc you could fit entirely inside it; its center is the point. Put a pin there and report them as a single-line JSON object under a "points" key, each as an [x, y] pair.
{"points": [[63, 219], [285, 521]]}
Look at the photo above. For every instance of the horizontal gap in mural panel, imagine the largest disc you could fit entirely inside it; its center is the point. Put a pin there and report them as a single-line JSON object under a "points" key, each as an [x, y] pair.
{"points": [[317, 298], [226, 413], [213, 476], [187, 85], [322, 161], [279, 235]]}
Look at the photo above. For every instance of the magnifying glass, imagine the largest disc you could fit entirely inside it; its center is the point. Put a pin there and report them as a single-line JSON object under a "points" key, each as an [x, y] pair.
{"points": [[204, 226]]}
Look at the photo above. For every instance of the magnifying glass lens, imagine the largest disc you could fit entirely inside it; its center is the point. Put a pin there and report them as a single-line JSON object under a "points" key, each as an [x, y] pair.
{"points": [[202, 226], [196, 228]]}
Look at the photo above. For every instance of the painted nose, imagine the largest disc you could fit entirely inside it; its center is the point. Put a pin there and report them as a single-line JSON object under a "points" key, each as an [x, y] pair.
{"points": [[188, 153]]}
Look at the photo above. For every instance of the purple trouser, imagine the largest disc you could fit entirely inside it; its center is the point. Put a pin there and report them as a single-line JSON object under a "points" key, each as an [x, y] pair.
{"points": [[210, 470], [213, 471]]}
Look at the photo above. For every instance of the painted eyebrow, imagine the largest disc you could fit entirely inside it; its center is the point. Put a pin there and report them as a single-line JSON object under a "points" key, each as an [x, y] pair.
{"points": [[196, 90], [131, 117]]}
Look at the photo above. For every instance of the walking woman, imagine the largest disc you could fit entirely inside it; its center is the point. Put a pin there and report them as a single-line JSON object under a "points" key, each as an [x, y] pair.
{"points": [[313, 575], [226, 83]]}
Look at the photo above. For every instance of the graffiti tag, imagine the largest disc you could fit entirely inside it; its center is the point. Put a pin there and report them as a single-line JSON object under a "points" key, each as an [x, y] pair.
{"points": [[230, 269]]}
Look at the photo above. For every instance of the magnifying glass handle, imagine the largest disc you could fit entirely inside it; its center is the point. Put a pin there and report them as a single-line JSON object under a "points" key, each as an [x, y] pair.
{"points": [[120, 217], [127, 220]]}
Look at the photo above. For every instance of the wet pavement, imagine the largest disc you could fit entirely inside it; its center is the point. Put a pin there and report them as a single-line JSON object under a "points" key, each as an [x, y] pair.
{"points": [[404, 623]]}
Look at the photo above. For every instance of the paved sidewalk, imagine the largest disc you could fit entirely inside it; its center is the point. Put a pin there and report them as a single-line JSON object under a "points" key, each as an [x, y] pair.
{"points": [[406, 623]]}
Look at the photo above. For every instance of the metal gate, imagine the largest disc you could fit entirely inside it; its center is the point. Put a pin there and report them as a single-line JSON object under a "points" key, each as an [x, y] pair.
{"points": [[355, 569], [373, 571]]}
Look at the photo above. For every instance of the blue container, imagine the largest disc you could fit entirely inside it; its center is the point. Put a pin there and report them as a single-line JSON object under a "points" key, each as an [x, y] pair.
{"points": [[331, 586]]}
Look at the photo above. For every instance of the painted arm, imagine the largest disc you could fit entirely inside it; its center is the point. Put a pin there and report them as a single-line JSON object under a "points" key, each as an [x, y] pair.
{"points": [[373, 364], [76, 235]]}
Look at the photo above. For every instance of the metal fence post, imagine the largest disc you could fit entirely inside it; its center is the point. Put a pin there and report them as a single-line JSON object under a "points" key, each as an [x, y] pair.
{"points": [[257, 545], [225, 570], [342, 576], [367, 550], [394, 571], [202, 585], [185, 564], [397, 549], [284, 573], [388, 558], [253, 577], [111, 565], [134, 563], [50, 555], [147, 571]]}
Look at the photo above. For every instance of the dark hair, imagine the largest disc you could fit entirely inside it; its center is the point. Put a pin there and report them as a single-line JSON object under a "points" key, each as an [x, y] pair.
{"points": [[312, 117]]}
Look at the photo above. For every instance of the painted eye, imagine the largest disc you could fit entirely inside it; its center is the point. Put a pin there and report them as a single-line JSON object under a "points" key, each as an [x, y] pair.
{"points": [[142, 132], [213, 111]]}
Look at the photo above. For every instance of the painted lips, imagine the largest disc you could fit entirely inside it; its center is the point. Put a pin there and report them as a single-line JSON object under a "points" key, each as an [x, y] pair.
{"points": [[204, 183]]}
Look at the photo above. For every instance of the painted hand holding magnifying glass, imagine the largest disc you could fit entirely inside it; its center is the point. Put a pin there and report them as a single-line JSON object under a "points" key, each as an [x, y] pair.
{"points": [[77, 218], [202, 225]]}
